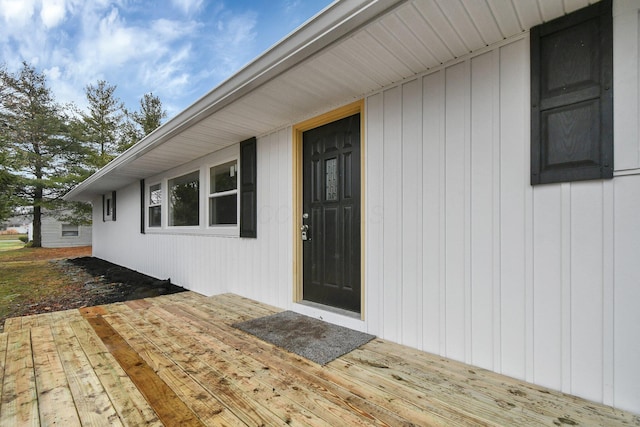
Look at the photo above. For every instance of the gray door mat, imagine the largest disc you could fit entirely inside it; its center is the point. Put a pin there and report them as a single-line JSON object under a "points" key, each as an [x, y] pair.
{"points": [[318, 341]]}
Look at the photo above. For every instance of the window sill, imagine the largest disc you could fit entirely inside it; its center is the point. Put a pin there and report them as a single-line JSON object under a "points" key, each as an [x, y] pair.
{"points": [[626, 172], [190, 231]]}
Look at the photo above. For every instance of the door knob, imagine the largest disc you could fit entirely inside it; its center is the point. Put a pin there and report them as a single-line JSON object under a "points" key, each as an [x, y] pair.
{"points": [[304, 232]]}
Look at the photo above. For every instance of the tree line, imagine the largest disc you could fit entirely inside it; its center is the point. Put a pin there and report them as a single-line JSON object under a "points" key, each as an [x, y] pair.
{"points": [[47, 148]]}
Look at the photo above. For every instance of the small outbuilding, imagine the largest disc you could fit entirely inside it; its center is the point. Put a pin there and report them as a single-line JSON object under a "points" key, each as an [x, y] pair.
{"points": [[61, 234]]}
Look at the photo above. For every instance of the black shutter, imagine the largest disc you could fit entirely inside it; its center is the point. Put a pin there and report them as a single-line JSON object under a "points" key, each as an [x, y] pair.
{"points": [[104, 208], [113, 206], [248, 187], [142, 206], [572, 97]]}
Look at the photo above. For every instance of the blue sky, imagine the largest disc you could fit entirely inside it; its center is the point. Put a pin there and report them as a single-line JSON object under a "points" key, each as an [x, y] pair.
{"points": [[177, 49]]}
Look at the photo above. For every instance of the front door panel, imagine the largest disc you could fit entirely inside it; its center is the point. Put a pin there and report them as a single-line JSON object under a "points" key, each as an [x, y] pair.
{"points": [[331, 214]]}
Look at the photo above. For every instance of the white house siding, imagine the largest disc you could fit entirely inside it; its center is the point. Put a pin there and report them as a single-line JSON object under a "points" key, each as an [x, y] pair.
{"points": [[260, 268], [463, 257], [467, 260], [52, 235]]}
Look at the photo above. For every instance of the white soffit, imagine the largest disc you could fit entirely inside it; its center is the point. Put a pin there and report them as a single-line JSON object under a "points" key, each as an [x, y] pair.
{"points": [[350, 49]]}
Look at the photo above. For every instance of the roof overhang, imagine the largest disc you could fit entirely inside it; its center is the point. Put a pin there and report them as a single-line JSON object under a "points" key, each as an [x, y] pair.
{"points": [[350, 49]]}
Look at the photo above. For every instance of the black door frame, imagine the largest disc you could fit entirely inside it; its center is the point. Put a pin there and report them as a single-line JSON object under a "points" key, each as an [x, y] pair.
{"points": [[298, 130]]}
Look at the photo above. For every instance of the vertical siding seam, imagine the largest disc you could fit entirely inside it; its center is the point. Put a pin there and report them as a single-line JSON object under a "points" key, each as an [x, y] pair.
{"points": [[383, 172], [271, 270], [566, 288], [399, 303], [528, 238], [443, 217], [382, 219], [467, 218], [379, 253], [497, 218], [288, 201], [420, 180], [431, 165], [608, 281]]}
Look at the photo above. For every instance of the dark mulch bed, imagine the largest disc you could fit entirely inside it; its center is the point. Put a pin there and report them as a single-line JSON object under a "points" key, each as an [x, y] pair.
{"points": [[92, 281], [113, 283]]}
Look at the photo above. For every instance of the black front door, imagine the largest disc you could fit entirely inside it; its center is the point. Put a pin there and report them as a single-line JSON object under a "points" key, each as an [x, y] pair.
{"points": [[331, 214]]}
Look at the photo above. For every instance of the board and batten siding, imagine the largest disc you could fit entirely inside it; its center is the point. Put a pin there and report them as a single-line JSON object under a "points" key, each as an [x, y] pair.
{"points": [[463, 257], [466, 259], [259, 268]]}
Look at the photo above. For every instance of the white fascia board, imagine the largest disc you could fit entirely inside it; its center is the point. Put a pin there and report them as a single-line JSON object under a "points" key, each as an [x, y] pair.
{"points": [[332, 24]]}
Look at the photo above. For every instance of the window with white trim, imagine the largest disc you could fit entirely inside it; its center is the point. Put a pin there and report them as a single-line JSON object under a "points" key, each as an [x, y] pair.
{"points": [[214, 195], [223, 194], [155, 205], [184, 200]]}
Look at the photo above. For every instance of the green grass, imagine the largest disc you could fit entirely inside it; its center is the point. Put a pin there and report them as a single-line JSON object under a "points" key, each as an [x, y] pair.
{"points": [[28, 278], [23, 283], [10, 245]]}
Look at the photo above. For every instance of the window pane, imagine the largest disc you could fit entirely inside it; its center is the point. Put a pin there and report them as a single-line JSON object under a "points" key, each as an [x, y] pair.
{"points": [[184, 200], [155, 195], [155, 216], [223, 210], [69, 230], [224, 177], [331, 179]]}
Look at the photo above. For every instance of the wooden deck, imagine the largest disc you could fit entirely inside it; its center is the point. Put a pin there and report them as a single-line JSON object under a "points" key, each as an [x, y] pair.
{"points": [[175, 360]]}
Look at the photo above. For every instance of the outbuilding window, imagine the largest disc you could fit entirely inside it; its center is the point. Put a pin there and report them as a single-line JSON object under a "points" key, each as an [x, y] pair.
{"points": [[572, 97], [70, 230], [184, 200]]}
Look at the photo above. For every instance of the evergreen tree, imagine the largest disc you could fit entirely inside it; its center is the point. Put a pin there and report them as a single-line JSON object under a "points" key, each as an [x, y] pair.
{"points": [[35, 142], [103, 128], [8, 183], [144, 121]]}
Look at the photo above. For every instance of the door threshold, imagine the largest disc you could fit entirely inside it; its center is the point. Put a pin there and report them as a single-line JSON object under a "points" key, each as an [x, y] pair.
{"points": [[337, 316], [335, 310]]}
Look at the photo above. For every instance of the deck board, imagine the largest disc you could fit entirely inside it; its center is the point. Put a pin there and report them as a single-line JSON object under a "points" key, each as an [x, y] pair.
{"points": [[129, 403], [177, 359], [55, 402], [19, 399], [257, 380], [91, 399]]}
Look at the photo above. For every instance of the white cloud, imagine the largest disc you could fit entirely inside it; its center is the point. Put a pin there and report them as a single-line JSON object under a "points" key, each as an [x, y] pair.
{"points": [[168, 30], [181, 53], [187, 6], [53, 73], [168, 74], [233, 41], [291, 6], [52, 12], [17, 12]]}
